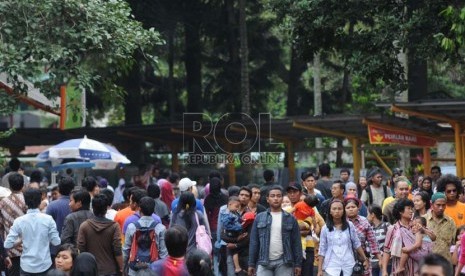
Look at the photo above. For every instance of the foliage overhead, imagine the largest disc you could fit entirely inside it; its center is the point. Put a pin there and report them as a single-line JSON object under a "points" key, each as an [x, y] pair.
{"points": [[51, 42]]}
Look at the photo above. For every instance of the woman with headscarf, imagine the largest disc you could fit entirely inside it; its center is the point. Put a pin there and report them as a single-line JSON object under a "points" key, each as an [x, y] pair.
{"points": [[167, 193], [213, 202], [351, 190], [85, 265]]}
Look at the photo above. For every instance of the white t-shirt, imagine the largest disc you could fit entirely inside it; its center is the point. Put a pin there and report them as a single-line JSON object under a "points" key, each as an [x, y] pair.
{"points": [[276, 237], [378, 195]]}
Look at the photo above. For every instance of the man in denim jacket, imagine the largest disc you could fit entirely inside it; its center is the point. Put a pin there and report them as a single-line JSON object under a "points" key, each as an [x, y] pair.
{"points": [[275, 245]]}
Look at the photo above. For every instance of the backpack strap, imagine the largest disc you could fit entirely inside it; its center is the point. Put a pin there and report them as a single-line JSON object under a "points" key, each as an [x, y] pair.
{"points": [[370, 195], [385, 191]]}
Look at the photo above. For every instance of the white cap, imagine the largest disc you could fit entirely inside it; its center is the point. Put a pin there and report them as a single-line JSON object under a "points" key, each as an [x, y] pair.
{"points": [[185, 184]]}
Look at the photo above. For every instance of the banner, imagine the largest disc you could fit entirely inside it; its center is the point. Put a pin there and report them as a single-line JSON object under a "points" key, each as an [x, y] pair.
{"points": [[384, 136]]}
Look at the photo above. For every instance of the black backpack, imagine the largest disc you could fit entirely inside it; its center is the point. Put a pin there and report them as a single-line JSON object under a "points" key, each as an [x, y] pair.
{"points": [[370, 193]]}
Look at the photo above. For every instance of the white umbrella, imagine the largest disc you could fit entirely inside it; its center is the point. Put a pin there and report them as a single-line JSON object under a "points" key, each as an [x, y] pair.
{"points": [[102, 155]]}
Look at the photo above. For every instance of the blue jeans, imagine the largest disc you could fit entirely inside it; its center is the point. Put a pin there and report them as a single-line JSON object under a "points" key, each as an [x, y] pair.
{"points": [[275, 268]]}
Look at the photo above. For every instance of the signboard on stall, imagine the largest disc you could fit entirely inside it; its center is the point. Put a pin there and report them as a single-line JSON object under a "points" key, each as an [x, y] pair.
{"points": [[380, 135]]}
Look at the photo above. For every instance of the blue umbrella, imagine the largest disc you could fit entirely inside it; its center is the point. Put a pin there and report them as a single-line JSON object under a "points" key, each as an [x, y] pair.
{"points": [[103, 155]]}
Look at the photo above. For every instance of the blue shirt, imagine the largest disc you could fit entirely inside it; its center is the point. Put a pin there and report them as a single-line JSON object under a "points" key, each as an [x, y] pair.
{"points": [[58, 209], [198, 205], [37, 231]]}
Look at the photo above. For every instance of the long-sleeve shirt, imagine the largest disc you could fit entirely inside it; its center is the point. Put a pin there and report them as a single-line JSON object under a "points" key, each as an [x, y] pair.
{"points": [[144, 221], [366, 234], [337, 243], [37, 231]]}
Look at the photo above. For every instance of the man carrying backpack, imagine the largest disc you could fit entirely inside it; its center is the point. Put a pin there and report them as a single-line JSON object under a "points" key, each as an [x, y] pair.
{"points": [[376, 192], [144, 240]]}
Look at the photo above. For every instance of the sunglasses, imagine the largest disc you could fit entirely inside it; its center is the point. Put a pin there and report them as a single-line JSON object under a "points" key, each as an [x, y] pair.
{"points": [[451, 191]]}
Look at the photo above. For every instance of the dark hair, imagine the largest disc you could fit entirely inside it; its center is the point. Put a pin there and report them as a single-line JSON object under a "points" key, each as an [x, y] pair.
{"points": [[85, 265], [14, 164], [399, 207], [306, 175], [16, 181], [311, 200], [253, 186], [215, 173], [215, 186], [437, 260], [233, 198], [268, 175], [165, 173], [451, 179], [426, 198], [89, 183], [436, 168], [233, 190], [345, 170], [199, 263], [36, 176], [274, 187], [376, 210], [32, 197], [69, 247], [173, 177], [109, 194], [99, 205], [324, 169], [176, 239], [83, 197], [422, 219], [127, 191], [341, 185], [188, 204], [329, 219], [153, 191], [66, 185], [247, 189], [147, 206], [137, 195]]}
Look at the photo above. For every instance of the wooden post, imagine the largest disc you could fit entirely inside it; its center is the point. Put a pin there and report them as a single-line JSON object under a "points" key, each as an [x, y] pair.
{"points": [[458, 149], [230, 165], [426, 160], [174, 159], [357, 159], [290, 160], [463, 156], [381, 162]]}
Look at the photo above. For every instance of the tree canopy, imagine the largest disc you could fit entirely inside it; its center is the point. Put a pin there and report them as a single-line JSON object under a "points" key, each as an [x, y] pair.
{"points": [[51, 42]]}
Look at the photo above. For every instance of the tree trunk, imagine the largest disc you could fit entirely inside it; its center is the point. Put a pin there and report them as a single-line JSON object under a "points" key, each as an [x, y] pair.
{"points": [[295, 72], [244, 55], [318, 106], [193, 65], [233, 65]]}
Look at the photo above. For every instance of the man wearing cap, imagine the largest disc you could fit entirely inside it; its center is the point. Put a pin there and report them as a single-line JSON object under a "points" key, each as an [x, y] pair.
{"points": [[401, 189], [337, 191], [442, 225], [185, 185]]}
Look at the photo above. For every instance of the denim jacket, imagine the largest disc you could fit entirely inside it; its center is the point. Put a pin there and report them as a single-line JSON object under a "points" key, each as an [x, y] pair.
{"points": [[260, 240]]}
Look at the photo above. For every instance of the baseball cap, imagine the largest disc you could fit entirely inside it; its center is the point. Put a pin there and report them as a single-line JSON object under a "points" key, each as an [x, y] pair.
{"points": [[185, 184], [294, 186]]}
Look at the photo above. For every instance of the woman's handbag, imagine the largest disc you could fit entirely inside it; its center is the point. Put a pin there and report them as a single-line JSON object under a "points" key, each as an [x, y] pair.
{"points": [[358, 269], [202, 238]]}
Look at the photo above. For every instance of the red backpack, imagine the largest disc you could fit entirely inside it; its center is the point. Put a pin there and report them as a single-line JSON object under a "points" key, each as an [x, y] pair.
{"points": [[144, 250]]}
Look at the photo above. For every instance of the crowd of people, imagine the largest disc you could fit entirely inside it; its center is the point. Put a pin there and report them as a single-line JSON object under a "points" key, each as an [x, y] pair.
{"points": [[162, 224]]}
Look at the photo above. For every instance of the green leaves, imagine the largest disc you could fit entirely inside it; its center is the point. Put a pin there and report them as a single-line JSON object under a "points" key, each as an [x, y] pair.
{"points": [[91, 41]]}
